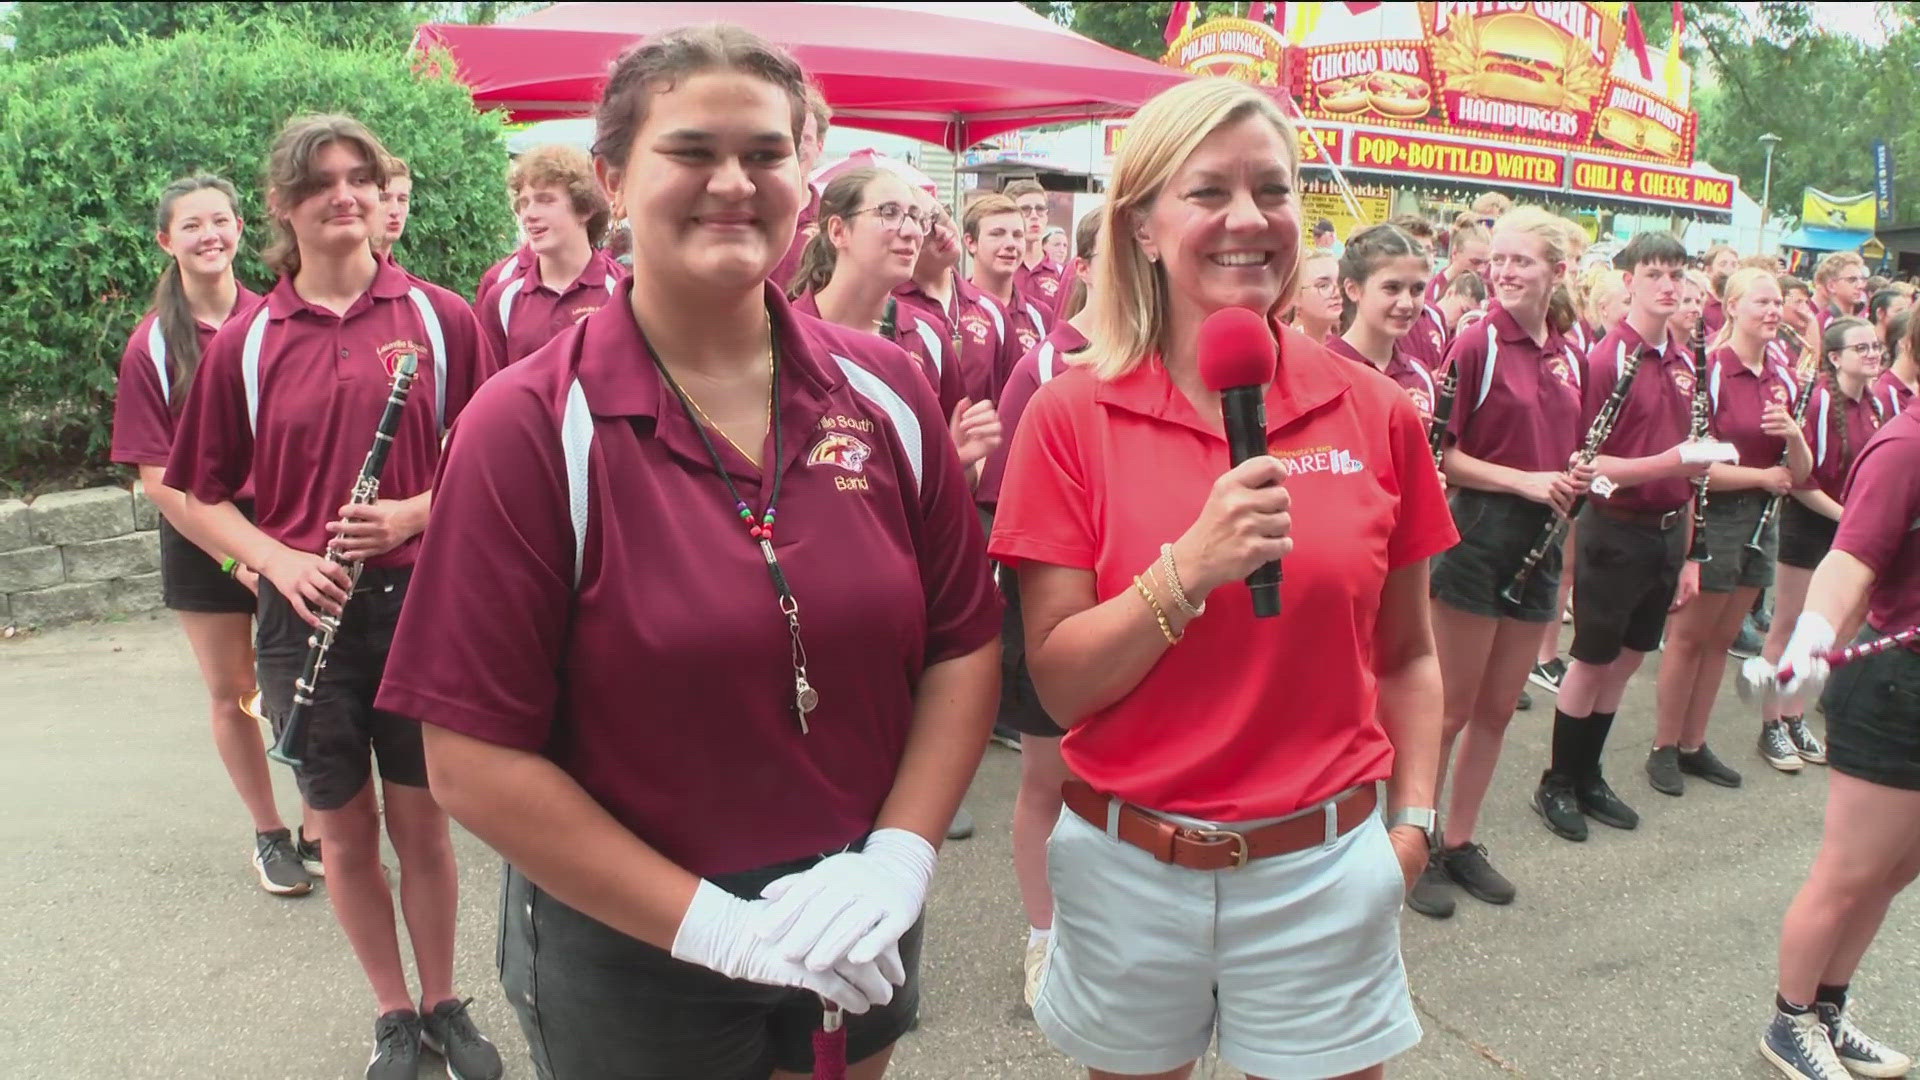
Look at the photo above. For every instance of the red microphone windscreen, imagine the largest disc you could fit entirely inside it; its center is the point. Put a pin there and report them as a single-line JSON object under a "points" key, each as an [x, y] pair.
{"points": [[1236, 349]]}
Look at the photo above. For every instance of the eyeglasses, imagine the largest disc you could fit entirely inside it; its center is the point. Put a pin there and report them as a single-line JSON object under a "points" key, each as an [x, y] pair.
{"points": [[1870, 348], [892, 214], [1033, 211], [1324, 288]]}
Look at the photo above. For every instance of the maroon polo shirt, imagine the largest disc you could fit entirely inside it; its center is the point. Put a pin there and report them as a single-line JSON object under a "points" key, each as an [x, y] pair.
{"points": [[1515, 403], [1882, 504], [1889, 389], [521, 314], [1837, 440], [991, 336], [1030, 372], [1740, 396], [662, 681], [1437, 286], [323, 383], [790, 262], [925, 340], [1406, 372], [1427, 341], [1068, 277], [1042, 282], [1657, 413], [508, 268], [1714, 315], [143, 404]]}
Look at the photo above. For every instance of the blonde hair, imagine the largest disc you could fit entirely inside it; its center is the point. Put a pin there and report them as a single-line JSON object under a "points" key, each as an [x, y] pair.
{"points": [[1601, 284], [571, 170], [1832, 263], [1738, 285], [1549, 229], [1492, 204], [1127, 311]]}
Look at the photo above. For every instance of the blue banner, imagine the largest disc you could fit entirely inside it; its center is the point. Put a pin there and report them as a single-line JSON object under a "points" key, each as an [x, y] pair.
{"points": [[1883, 180]]}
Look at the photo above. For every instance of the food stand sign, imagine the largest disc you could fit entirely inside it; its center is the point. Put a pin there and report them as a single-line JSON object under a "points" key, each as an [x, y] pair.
{"points": [[1420, 155], [1242, 49], [1647, 183]]}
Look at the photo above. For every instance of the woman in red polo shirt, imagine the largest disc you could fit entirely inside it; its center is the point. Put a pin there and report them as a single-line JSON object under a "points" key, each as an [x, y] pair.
{"points": [[1515, 426], [1751, 396], [197, 224], [749, 641], [1870, 849], [1205, 739], [1842, 415], [1383, 277], [564, 215]]}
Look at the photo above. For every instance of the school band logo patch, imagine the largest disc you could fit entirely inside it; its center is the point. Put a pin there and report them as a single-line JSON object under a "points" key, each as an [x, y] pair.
{"points": [[1777, 394], [392, 351], [1421, 401], [581, 311], [1561, 370], [1683, 381], [841, 450], [977, 329]]}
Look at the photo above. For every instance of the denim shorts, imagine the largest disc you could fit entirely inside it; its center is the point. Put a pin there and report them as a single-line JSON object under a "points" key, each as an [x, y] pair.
{"points": [[1496, 532], [1731, 517], [596, 1004], [1873, 717]]}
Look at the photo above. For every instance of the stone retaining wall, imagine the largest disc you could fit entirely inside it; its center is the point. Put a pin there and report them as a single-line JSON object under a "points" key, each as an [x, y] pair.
{"points": [[74, 555]]}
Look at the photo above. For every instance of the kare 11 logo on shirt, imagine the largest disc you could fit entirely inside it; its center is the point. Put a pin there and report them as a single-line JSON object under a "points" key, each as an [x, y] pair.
{"points": [[1320, 459]]}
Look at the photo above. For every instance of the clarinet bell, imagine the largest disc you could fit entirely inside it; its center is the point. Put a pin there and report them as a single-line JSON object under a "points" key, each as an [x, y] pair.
{"points": [[250, 704]]}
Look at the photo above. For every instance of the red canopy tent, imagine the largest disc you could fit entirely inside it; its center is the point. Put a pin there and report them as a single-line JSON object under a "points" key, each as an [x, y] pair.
{"points": [[946, 73]]}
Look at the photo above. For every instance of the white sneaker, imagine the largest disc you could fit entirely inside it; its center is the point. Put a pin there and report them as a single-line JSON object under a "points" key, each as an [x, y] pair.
{"points": [[1862, 1054], [1037, 953]]}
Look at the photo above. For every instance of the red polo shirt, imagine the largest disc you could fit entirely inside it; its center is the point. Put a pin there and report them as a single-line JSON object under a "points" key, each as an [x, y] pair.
{"points": [[1883, 503], [1409, 374], [662, 681], [322, 384], [506, 269], [1889, 389], [143, 405], [924, 340], [1740, 396], [1426, 343], [1515, 403], [1030, 373], [1042, 282], [790, 262], [1836, 428], [1657, 414], [1245, 718], [524, 313]]}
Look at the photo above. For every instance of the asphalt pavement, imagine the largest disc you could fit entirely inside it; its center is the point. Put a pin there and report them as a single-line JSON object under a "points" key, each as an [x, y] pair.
{"points": [[136, 944]]}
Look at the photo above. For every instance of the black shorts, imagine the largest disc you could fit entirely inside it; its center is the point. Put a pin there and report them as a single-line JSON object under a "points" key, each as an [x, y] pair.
{"points": [[190, 580], [344, 731], [1496, 532], [1805, 535], [1731, 517], [1627, 573], [596, 1004], [1020, 707], [1873, 717]]}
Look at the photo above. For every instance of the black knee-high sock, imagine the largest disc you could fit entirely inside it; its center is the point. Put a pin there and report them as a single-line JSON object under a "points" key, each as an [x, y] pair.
{"points": [[1597, 727], [1835, 996], [1569, 743]]}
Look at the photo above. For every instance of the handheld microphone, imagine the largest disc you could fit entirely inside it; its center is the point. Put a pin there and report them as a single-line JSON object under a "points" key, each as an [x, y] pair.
{"points": [[1238, 357]]}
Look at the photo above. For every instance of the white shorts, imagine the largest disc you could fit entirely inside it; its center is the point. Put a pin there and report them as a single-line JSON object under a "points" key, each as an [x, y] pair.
{"points": [[1296, 958]]}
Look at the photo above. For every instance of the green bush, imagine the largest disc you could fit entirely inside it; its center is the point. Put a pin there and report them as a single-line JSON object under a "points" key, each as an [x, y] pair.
{"points": [[88, 140]]}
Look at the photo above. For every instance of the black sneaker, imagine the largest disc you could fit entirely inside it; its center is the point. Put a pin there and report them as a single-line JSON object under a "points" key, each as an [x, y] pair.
{"points": [[1467, 865], [1006, 737], [1598, 802], [1749, 643], [309, 852], [1663, 771], [1547, 676], [1806, 744], [1554, 800], [1703, 764], [1525, 704], [1431, 895], [1777, 747], [449, 1032], [277, 866], [396, 1046]]}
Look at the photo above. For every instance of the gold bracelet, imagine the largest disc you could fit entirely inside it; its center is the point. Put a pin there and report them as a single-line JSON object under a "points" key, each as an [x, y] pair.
{"points": [[1159, 616], [1172, 574]]}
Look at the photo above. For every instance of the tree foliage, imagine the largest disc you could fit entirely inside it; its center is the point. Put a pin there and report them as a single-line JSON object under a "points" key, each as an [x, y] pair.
{"points": [[46, 28], [88, 140]]}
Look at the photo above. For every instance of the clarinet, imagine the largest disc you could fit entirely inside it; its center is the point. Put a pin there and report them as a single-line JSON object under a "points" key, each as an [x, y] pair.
{"points": [[1702, 414], [1442, 413], [1555, 530], [1773, 504], [293, 735]]}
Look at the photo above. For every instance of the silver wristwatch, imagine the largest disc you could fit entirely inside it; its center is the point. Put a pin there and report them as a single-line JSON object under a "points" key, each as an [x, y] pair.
{"points": [[1424, 818]]}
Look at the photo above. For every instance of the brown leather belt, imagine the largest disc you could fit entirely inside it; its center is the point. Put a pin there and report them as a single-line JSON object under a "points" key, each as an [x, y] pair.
{"points": [[1215, 849], [1659, 519]]}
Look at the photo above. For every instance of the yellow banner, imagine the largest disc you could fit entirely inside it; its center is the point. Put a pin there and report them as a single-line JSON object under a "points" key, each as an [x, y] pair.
{"points": [[1322, 199], [1826, 211]]}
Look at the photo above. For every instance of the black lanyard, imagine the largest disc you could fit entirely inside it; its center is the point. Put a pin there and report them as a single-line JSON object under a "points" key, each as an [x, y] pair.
{"points": [[805, 698]]}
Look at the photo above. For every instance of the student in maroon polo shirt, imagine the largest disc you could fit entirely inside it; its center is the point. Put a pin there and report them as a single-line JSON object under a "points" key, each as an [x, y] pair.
{"points": [[506, 269], [1839, 286], [813, 137], [197, 223], [1900, 372], [1382, 280], [288, 399], [932, 292], [1318, 307], [716, 682], [991, 228], [1038, 276], [1513, 434], [396, 206], [1464, 304], [1426, 342], [1228, 872], [1630, 545], [1843, 412], [1870, 849], [1719, 264], [1467, 249], [1752, 398], [564, 215]]}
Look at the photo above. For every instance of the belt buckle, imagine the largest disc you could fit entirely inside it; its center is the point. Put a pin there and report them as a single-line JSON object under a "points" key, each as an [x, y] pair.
{"points": [[1216, 836], [1667, 519]]}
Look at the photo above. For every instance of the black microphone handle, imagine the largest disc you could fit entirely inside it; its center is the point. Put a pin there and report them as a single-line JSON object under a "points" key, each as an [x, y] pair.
{"points": [[1243, 411]]}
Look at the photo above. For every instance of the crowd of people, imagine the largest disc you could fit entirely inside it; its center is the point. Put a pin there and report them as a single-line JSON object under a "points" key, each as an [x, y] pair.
{"points": [[698, 575]]}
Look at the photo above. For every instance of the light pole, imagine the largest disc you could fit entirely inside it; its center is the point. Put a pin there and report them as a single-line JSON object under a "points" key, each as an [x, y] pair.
{"points": [[1769, 140]]}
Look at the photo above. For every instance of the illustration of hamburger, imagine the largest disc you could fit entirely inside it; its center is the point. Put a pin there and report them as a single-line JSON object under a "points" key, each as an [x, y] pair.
{"points": [[1521, 59]]}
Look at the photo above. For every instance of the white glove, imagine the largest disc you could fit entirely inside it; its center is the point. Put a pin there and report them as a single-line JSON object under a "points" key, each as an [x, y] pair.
{"points": [[1812, 637], [1758, 678], [714, 934], [848, 908]]}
